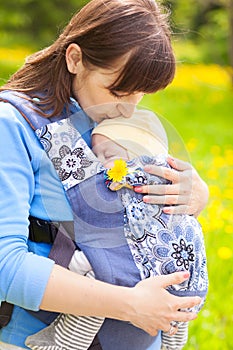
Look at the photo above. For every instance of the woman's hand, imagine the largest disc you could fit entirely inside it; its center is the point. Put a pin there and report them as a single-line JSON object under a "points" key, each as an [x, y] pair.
{"points": [[187, 193], [148, 305], [155, 308]]}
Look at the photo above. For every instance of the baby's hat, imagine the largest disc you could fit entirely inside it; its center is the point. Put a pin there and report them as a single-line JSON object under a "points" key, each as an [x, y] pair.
{"points": [[141, 134]]}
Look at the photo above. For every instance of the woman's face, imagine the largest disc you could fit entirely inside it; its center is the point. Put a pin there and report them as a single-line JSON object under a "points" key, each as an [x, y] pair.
{"points": [[90, 88], [97, 101]]}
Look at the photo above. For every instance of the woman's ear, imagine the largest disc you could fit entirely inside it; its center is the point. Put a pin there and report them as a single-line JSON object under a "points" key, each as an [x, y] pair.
{"points": [[73, 58]]}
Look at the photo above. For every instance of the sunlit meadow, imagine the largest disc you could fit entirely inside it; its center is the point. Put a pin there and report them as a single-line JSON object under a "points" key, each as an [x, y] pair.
{"points": [[197, 112]]}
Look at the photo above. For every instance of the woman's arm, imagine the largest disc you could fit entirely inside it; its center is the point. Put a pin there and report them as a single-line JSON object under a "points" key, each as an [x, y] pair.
{"points": [[188, 193], [147, 305]]}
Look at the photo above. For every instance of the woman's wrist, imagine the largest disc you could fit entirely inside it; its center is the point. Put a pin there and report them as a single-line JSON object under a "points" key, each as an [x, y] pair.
{"points": [[68, 292]]}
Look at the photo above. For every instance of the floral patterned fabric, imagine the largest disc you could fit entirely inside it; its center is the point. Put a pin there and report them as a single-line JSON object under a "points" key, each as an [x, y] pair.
{"points": [[162, 243], [69, 153], [159, 243]]}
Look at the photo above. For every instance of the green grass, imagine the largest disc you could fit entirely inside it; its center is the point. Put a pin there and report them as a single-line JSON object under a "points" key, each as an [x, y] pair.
{"points": [[198, 117], [205, 115]]}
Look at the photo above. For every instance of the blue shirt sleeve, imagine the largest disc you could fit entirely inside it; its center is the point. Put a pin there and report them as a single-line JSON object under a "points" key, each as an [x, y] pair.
{"points": [[23, 274]]}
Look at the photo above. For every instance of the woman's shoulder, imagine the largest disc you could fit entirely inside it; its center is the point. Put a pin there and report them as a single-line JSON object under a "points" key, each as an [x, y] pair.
{"points": [[10, 115], [16, 133]]}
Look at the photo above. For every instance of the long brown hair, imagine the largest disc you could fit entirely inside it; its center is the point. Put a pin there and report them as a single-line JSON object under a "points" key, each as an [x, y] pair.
{"points": [[105, 30]]}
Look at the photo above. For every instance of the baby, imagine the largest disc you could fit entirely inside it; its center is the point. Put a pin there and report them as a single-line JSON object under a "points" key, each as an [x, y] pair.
{"points": [[153, 242]]}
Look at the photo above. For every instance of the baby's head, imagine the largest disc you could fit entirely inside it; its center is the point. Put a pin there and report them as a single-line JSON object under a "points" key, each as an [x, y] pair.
{"points": [[127, 138]]}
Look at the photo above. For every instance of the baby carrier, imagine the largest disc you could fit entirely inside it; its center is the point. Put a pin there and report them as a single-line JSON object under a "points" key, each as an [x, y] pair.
{"points": [[131, 236]]}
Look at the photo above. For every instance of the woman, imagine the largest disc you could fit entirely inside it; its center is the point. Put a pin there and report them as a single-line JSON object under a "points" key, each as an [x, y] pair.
{"points": [[109, 55]]}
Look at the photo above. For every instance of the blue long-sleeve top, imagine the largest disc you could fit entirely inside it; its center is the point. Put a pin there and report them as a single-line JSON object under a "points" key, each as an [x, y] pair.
{"points": [[29, 186]]}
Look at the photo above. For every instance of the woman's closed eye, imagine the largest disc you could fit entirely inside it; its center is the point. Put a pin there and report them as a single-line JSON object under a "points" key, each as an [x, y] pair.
{"points": [[117, 94]]}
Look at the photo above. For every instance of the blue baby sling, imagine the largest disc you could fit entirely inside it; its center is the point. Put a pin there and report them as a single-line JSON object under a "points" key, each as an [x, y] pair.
{"points": [[79, 171], [126, 335]]}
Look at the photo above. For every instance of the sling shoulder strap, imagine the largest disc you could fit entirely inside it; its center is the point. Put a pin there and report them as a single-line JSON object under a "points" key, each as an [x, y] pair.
{"points": [[26, 108]]}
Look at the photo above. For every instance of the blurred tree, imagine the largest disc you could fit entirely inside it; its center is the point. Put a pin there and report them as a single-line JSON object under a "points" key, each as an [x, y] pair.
{"points": [[206, 23], [231, 37], [36, 21]]}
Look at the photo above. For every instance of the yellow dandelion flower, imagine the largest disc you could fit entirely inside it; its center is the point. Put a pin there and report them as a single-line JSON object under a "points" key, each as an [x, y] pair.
{"points": [[219, 162], [230, 175], [204, 223], [228, 193], [194, 76], [217, 224], [192, 144], [225, 253], [16, 55], [229, 157], [229, 229], [200, 165], [215, 150], [226, 215], [118, 171], [213, 174], [215, 191]]}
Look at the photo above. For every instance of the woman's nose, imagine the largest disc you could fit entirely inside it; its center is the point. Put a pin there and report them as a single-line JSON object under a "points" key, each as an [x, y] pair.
{"points": [[126, 109]]}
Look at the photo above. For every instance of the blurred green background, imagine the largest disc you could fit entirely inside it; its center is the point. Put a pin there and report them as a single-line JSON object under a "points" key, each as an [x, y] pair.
{"points": [[197, 110]]}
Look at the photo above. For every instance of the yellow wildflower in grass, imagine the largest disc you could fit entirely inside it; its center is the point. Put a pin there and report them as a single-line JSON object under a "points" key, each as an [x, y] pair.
{"points": [[227, 215], [215, 191], [225, 253], [217, 224], [205, 224], [200, 165], [118, 171], [230, 173], [213, 174], [229, 229], [215, 150], [219, 162], [192, 144], [229, 156], [16, 55], [228, 193], [192, 76]]}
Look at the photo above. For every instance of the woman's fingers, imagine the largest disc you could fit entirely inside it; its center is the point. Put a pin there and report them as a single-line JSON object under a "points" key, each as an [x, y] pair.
{"points": [[169, 199], [178, 209], [172, 204], [177, 278], [185, 191], [185, 303], [167, 173], [180, 316], [165, 189], [162, 190], [173, 278], [178, 164], [156, 308]]}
